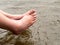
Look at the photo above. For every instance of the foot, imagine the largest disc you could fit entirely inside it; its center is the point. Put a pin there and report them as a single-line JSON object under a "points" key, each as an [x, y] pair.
{"points": [[28, 20]]}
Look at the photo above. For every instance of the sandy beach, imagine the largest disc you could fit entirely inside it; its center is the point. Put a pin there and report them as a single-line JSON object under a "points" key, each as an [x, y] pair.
{"points": [[46, 30]]}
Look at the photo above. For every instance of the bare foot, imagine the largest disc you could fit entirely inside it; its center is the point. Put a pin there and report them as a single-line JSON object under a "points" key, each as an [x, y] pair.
{"points": [[28, 20]]}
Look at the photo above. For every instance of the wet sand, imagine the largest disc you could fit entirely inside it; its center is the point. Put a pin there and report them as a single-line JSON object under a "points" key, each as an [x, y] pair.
{"points": [[46, 31]]}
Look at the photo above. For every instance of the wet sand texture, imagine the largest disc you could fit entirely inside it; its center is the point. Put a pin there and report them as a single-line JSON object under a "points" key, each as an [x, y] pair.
{"points": [[46, 31]]}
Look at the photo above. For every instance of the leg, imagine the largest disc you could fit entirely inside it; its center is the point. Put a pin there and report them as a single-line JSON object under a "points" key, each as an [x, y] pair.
{"points": [[6, 23], [16, 17]]}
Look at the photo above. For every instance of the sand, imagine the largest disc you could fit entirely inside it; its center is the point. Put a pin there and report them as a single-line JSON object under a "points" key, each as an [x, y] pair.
{"points": [[46, 31]]}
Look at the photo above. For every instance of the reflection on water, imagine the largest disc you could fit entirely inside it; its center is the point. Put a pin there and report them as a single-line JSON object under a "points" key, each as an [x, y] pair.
{"points": [[22, 39]]}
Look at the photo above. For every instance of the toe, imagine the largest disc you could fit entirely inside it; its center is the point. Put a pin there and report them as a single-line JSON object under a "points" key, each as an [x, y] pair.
{"points": [[33, 14], [30, 12], [34, 21]]}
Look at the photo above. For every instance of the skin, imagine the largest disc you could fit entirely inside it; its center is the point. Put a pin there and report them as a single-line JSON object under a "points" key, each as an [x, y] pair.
{"points": [[15, 24], [15, 17]]}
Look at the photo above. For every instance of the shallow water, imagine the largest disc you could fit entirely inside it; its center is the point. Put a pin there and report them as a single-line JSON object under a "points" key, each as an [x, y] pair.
{"points": [[46, 31]]}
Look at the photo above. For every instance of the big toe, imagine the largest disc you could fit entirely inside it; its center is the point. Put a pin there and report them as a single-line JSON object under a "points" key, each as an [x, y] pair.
{"points": [[30, 12]]}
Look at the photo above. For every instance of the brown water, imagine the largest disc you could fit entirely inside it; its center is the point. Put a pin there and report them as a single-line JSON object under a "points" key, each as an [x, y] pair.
{"points": [[46, 31]]}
